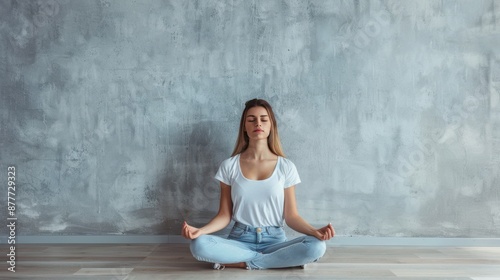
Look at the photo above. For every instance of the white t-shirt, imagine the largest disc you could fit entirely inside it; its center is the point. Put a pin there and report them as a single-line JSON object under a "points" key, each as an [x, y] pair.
{"points": [[258, 203]]}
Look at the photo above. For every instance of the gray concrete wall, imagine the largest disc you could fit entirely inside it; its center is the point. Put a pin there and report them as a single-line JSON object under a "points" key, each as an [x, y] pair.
{"points": [[116, 114]]}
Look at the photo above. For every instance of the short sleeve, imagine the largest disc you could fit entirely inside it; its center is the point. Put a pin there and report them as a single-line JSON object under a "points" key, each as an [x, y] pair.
{"points": [[223, 173], [291, 176]]}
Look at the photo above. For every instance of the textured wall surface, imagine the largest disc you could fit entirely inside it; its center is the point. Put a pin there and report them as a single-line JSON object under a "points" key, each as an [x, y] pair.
{"points": [[117, 114]]}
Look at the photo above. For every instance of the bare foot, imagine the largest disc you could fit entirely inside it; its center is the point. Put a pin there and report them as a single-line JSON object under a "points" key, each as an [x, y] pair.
{"points": [[236, 265]]}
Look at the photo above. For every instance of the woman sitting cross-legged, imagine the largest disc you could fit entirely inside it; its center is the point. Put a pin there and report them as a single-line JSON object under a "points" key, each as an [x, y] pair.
{"points": [[258, 192]]}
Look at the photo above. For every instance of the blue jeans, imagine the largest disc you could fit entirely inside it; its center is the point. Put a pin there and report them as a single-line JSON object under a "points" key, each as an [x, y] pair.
{"points": [[259, 248]]}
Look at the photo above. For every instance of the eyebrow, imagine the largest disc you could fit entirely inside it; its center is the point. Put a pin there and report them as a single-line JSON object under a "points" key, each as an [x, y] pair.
{"points": [[255, 116]]}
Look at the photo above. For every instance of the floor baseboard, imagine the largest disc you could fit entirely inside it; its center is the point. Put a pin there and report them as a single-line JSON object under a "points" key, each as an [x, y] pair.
{"points": [[337, 241]]}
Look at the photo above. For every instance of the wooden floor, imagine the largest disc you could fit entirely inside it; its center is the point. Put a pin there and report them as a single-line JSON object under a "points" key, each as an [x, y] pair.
{"points": [[174, 261]]}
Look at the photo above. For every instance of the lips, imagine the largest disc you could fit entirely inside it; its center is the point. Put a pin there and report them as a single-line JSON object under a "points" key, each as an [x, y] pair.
{"points": [[258, 130]]}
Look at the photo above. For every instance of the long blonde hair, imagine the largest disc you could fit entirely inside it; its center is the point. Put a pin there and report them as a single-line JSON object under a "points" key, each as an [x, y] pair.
{"points": [[273, 140]]}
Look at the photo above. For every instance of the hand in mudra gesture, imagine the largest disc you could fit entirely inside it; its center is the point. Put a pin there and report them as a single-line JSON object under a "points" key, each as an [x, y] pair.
{"points": [[190, 232], [325, 233]]}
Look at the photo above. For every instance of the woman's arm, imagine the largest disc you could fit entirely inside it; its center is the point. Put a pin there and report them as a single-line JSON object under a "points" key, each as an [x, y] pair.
{"points": [[220, 221], [297, 223]]}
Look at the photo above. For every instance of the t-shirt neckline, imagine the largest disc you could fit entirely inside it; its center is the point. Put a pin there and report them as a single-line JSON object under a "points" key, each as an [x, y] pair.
{"points": [[268, 178]]}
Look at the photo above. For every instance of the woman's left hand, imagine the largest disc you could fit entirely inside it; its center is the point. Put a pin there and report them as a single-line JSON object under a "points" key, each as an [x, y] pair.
{"points": [[325, 233]]}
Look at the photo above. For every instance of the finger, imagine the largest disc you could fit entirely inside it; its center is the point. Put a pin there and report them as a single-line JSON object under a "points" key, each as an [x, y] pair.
{"points": [[333, 230], [189, 229], [322, 237], [328, 233], [187, 232], [324, 233], [330, 230]]}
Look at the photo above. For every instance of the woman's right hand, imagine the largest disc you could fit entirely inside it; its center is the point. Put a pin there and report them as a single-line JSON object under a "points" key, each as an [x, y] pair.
{"points": [[190, 232]]}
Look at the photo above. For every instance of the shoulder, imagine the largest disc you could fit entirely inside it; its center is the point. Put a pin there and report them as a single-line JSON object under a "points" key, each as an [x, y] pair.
{"points": [[228, 170], [289, 171], [286, 164], [230, 163], [286, 161]]}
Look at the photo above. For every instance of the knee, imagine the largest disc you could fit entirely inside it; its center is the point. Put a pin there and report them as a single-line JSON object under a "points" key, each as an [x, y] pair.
{"points": [[316, 248], [199, 246]]}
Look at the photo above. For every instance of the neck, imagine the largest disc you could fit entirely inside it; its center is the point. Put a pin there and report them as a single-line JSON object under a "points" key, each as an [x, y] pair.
{"points": [[258, 150]]}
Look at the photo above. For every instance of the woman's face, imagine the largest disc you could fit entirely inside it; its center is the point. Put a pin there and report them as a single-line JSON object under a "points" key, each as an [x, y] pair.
{"points": [[257, 123]]}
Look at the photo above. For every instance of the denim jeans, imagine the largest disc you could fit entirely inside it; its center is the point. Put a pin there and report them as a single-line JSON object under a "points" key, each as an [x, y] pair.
{"points": [[259, 248]]}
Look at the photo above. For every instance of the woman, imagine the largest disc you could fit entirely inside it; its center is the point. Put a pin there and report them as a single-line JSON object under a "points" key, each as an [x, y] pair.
{"points": [[257, 192]]}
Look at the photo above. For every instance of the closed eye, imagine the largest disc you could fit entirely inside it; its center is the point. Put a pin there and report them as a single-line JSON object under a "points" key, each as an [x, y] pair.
{"points": [[252, 118]]}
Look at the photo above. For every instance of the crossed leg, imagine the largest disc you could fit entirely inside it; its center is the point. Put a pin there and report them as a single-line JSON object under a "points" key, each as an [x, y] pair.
{"points": [[233, 253]]}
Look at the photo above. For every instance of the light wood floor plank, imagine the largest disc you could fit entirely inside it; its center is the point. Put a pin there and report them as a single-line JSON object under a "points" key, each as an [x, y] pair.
{"points": [[174, 261]]}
